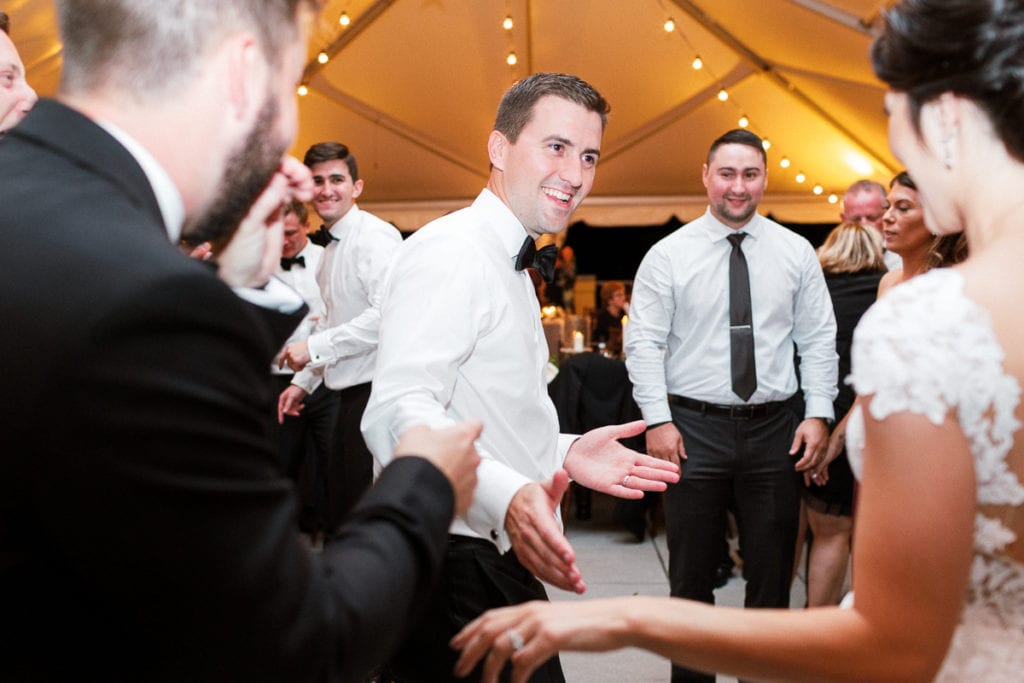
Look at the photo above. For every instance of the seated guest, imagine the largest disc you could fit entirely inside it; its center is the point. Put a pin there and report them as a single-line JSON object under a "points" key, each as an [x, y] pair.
{"points": [[608, 323]]}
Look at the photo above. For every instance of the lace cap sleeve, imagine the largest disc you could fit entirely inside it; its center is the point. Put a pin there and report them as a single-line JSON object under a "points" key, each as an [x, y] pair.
{"points": [[904, 344], [928, 349]]}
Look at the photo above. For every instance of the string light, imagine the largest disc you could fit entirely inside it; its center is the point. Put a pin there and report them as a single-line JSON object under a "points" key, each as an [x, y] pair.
{"points": [[322, 57], [800, 177], [507, 24], [344, 19], [818, 189], [302, 90], [766, 143], [833, 199], [697, 63], [511, 59], [670, 25], [784, 162], [722, 95], [743, 122]]}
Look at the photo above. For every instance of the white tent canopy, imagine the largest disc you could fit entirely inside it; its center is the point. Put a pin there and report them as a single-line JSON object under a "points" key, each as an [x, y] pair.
{"points": [[412, 85]]}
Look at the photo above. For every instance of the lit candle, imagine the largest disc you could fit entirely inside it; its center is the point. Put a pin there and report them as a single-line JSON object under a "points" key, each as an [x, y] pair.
{"points": [[577, 341]]}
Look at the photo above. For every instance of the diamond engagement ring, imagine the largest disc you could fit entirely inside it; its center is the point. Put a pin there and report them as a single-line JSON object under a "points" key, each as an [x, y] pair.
{"points": [[625, 480], [516, 640]]}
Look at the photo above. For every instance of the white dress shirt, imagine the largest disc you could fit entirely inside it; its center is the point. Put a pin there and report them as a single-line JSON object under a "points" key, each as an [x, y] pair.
{"points": [[343, 345], [461, 338], [677, 339], [302, 278]]}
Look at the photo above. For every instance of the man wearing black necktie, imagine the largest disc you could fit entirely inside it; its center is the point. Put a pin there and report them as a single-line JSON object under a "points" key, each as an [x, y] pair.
{"points": [[717, 308]]}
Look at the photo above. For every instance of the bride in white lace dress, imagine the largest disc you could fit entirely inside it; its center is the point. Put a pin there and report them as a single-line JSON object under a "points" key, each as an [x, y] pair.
{"points": [[939, 364]]}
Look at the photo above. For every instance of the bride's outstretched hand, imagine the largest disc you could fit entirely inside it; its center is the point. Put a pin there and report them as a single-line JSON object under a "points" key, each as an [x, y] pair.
{"points": [[530, 634]]}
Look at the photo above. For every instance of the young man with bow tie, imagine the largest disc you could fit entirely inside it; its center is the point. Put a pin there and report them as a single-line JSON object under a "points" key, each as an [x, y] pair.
{"points": [[461, 337], [305, 441], [341, 352]]}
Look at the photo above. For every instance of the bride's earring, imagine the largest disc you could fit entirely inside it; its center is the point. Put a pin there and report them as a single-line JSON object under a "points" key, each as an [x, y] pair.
{"points": [[947, 149]]}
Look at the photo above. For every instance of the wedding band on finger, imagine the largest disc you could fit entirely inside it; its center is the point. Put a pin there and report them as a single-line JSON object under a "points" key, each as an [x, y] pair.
{"points": [[625, 480], [516, 640]]}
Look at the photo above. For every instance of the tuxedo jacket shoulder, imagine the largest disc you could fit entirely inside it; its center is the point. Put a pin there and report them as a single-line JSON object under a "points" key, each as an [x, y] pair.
{"points": [[145, 532]]}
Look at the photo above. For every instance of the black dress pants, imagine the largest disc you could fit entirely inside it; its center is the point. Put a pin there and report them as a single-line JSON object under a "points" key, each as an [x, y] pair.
{"points": [[305, 445], [474, 579], [744, 463], [350, 467]]}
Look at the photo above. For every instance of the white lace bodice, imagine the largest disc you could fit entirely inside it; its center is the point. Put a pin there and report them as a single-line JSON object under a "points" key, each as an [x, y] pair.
{"points": [[926, 348]]}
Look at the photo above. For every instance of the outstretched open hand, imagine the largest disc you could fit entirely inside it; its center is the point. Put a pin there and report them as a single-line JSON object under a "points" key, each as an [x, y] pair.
{"points": [[598, 461]]}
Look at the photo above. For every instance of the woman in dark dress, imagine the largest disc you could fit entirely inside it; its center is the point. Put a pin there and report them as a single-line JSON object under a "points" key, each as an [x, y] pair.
{"points": [[851, 259]]}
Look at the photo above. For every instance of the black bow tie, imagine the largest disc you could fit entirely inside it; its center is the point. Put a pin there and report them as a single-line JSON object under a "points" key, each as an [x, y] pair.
{"points": [[322, 237], [287, 262], [543, 259]]}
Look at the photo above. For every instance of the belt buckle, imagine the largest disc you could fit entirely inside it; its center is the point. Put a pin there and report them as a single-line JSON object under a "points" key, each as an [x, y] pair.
{"points": [[741, 412]]}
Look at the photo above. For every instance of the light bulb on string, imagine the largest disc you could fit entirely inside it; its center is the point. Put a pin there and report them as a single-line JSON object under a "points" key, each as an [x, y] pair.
{"points": [[697, 63], [817, 189], [723, 95], [302, 90], [323, 57], [344, 19], [507, 24], [784, 162], [766, 143], [800, 177], [669, 25], [743, 122], [833, 199], [511, 59]]}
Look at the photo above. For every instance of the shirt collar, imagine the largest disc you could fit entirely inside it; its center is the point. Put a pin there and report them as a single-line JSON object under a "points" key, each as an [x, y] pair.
{"points": [[345, 221], [506, 226], [168, 198], [717, 231]]}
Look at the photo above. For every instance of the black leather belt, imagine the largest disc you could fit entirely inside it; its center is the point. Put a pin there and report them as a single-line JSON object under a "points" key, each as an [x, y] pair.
{"points": [[738, 412]]}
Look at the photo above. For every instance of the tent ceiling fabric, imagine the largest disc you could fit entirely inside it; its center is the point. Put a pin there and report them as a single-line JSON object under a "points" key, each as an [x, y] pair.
{"points": [[412, 86]]}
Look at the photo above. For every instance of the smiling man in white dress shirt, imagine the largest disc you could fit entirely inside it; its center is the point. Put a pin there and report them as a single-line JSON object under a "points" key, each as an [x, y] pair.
{"points": [[725, 410], [461, 337], [341, 352]]}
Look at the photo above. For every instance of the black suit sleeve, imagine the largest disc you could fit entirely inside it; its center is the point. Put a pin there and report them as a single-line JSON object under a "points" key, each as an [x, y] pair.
{"points": [[171, 543]]}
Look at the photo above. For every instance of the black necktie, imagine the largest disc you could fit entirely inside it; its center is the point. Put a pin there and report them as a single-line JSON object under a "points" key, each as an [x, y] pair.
{"points": [[322, 237], [543, 259], [287, 262], [741, 328]]}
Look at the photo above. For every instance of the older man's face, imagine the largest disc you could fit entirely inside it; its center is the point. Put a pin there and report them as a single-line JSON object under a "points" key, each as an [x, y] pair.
{"points": [[16, 97]]}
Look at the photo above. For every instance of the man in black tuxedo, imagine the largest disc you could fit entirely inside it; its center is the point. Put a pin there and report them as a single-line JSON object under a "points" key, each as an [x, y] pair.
{"points": [[146, 530]]}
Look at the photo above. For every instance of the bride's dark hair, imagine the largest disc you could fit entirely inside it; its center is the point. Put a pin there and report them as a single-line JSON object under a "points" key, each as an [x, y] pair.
{"points": [[972, 48]]}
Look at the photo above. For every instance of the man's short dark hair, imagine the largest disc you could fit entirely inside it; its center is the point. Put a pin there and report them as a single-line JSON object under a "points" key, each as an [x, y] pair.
{"points": [[330, 151], [516, 107], [739, 136], [5, 22]]}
